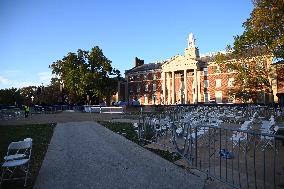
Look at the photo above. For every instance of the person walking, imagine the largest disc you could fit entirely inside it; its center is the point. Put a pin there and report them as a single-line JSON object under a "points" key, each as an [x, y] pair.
{"points": [[27, 110]]}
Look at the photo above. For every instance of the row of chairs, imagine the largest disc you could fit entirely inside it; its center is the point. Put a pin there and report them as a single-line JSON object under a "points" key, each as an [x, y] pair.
{"points": [[16, 164]]}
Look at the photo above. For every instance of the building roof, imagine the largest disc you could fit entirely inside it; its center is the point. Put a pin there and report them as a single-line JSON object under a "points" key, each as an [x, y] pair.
{"points": [[207, 58], [145, 67]]}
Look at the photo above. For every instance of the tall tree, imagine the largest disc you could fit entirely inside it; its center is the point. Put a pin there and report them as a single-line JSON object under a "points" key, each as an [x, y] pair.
{"points": [[253, 51], [264, 29], [86, 75], [252, 75]]}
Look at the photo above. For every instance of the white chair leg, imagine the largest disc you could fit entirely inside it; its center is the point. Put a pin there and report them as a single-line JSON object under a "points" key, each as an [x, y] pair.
{"points": [[27, 172]]}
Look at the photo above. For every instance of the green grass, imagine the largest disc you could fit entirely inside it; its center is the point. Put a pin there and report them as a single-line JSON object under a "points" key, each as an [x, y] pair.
{"points": [[41, 135], [128, 131], [125, 129], [170, 156]]}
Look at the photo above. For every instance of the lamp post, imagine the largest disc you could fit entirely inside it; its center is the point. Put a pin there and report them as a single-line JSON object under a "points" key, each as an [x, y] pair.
{"points": [[61, 91]]}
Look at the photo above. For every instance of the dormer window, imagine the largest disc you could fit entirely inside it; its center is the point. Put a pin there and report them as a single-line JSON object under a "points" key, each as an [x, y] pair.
{"points": [[145, 76], [146, 87], [217, 69], [205, 70]]}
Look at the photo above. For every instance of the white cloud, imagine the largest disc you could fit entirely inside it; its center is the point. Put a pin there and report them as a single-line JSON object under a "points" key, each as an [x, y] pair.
{"points": [[3, 80], [37, 80], [12, 71], [18, 84], [45, 77]]}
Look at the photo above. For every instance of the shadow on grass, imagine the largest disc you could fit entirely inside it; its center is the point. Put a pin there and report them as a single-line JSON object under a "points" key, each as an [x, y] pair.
{"points": [[128, 131], [41, 135]]}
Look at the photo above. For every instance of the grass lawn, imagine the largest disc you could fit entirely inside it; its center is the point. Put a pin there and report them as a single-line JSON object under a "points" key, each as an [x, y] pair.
{"points": [[127, 130], [41, 135]]}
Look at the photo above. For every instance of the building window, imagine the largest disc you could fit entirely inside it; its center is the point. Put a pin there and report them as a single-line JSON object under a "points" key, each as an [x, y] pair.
{"points": [[145, 76], [154, 99], [217, 69], [218, 96], [145, 99], [231, 82], [146, 87], [206, 83], [154, 87], [154, 76], [231, 98], [131, 78], [218, 83], [205, 70]]}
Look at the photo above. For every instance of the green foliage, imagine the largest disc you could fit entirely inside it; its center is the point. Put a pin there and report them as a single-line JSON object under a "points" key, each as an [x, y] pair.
{"points": [[252, 75], [264, 30], [86, 73], [253, 51], [10, 96], [41, 135]]}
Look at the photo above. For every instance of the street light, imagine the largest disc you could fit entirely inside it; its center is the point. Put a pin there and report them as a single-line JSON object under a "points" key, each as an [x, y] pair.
{"points": [[61, 90]]}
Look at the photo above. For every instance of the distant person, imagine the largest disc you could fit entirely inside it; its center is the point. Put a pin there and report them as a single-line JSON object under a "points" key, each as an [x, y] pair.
{"points": [[27, 111]]}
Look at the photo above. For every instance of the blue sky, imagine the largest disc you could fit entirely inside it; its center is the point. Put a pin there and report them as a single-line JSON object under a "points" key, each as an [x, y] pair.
{"points": [[35, 33]]}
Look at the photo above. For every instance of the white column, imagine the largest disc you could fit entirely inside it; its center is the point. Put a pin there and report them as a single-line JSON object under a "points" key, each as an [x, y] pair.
{"points": [[168, 87], [195, 86], [185, 87], [198, 87], [173, 88], [164, 86]]}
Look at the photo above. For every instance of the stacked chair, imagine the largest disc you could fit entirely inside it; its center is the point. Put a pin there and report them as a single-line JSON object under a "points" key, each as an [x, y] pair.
{"points": [[17, 161]]}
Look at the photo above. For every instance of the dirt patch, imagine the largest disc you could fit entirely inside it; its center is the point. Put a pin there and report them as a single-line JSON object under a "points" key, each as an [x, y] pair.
{"points": [[63, 117]]}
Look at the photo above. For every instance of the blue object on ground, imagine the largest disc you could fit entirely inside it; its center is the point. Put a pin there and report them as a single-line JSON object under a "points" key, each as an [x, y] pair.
{"points": [[224, 153]]}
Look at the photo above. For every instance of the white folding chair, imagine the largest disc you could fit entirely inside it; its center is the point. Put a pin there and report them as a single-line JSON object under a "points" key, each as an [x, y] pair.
{"points": [[17, 158], [238, 139], [268, 141]]}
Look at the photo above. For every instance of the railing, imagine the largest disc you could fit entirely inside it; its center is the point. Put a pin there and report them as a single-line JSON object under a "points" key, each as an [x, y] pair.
{"points": [[7, 114], [241, 159], [99, 109]]}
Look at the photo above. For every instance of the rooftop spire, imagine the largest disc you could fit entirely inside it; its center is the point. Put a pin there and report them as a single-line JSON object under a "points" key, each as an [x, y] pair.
{"points": [[191, 41]]}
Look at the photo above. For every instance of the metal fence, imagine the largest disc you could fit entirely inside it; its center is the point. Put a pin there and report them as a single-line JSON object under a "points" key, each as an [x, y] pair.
{"points": [[241, 159]]}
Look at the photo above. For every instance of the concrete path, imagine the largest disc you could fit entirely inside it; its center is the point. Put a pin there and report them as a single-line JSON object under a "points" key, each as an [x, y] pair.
{"points": [[87, 155]]}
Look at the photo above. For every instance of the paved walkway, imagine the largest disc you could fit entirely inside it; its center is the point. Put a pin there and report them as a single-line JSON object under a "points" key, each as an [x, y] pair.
{"points": [[87, 155]]}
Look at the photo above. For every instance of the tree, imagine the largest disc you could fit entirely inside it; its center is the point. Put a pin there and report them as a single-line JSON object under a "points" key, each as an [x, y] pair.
{"points": [[86, 75], [252, 75], [28, 92], [264, 30], [10, 97], [253, 51]]}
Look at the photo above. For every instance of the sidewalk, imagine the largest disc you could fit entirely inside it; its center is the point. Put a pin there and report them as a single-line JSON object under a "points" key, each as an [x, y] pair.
{"points": [[87, 155]]}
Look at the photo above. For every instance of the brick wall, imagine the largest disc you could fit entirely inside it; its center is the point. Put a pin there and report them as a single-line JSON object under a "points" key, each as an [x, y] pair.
{"points": [[140, 80]]}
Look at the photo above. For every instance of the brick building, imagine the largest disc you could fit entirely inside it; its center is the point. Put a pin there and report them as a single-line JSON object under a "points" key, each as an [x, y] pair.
{"points": [[182, 79], [280, 81]]}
